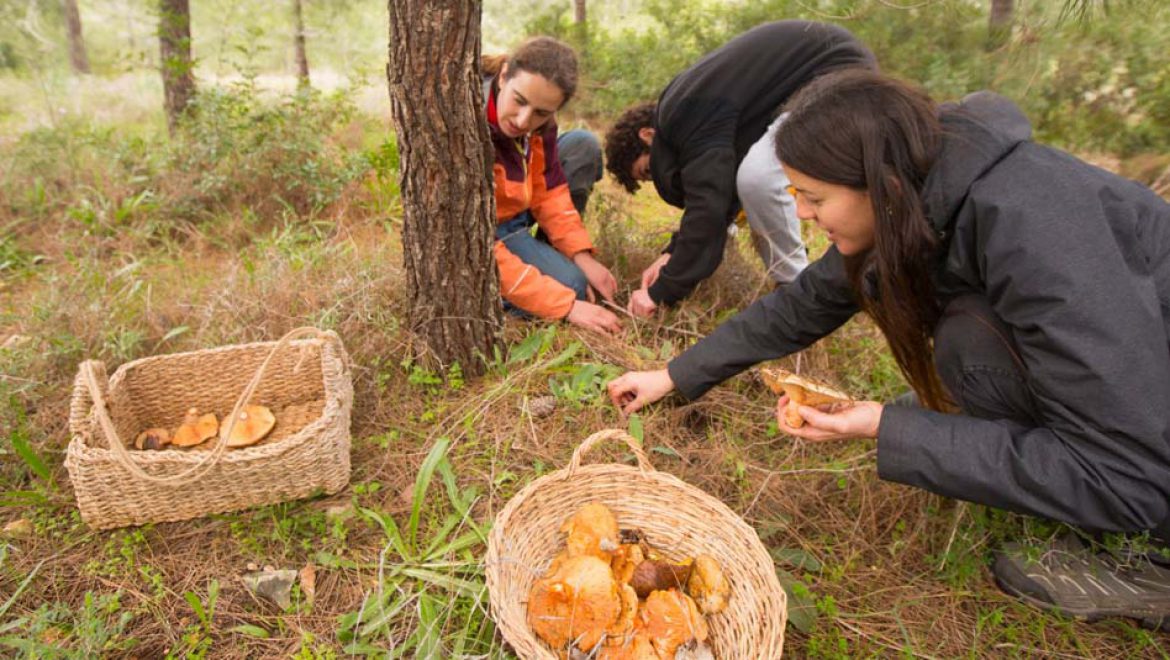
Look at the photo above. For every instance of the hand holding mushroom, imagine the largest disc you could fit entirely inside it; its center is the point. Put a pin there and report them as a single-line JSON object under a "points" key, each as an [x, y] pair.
{"points": [[814, 411]]}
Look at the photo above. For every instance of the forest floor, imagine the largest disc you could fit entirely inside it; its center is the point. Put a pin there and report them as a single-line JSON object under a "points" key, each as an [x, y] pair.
{"points": [[873, 569]]}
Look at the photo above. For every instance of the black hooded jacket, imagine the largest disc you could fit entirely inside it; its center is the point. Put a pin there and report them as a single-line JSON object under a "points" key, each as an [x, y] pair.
{"points": [[1076, 261], [708, 118]]}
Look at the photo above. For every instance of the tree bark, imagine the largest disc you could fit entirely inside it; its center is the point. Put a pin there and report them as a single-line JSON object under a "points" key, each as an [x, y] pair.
{"points": [[299, 45], [579, 12], [77, 55], [445, 159], [174, 42], [999, 22]]}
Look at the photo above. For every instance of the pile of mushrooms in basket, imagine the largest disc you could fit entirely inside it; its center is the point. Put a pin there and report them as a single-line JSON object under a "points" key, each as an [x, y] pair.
{"points": [[610, 595], [252, 425]]}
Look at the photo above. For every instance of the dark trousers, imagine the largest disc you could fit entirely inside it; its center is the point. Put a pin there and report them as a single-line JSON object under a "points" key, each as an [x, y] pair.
{"points": [[979, 364], [580, 156]]}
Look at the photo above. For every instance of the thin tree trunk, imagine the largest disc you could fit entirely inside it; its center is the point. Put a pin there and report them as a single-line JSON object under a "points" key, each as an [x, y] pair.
{"points": [[77, 55], [299, 44], [999, 22], [581, 27], [445, 156], [174, 41]]}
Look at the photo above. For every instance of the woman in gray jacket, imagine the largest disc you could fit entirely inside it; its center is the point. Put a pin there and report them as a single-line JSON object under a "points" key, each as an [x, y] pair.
{"points": [[1026, 298]]}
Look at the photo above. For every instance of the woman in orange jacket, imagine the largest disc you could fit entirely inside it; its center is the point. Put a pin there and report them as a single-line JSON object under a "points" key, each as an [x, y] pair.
{"points": [[554, 275]]}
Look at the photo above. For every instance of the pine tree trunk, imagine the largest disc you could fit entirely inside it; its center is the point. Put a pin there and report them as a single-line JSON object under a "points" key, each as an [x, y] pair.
{"points": [[174, 41], [77, 55], [999, 22], [581, 27], [445, 157], [299, 43]]}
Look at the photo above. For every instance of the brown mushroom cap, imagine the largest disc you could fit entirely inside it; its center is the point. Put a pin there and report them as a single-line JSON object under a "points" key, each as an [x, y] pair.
{"points": [[155, 438], [801, 392], [253, 424], [195, 429]]}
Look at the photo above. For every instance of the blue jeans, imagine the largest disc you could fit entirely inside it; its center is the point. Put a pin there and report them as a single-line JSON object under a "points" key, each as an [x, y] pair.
{"points": [[517, 236]]}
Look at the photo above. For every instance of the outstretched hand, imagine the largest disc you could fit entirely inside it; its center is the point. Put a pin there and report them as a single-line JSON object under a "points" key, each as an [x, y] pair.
{"points": [[593, 317], [847, 421], [635, 389]]}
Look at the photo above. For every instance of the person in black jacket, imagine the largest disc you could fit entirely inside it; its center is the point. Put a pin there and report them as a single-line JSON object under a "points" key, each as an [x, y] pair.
{"points": [[1026, 298], [706, 144]]}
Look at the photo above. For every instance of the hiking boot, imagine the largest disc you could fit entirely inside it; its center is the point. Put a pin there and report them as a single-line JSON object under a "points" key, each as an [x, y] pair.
{"points": [[1076, 581]]}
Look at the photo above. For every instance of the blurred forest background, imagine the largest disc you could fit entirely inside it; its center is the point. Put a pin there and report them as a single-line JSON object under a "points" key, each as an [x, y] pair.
{"points": [[273, 203]]}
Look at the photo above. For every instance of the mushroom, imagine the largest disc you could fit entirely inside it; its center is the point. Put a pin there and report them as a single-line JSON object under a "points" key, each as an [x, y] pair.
{"points": [[708, 586], [591, 531], [253, 423], [801, 392], [577, 604], [625, 561], [633, 647], [154, 438], [671, 619], [195, 429], [659, 575], [624, 626]]}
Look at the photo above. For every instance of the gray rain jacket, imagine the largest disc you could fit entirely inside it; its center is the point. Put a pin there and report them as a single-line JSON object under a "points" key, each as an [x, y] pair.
{"points": [[1076, 261]]}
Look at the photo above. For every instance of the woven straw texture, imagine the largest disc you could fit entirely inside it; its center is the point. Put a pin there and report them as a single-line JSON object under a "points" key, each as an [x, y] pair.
{"points": [[678, 519], [306, 384]]}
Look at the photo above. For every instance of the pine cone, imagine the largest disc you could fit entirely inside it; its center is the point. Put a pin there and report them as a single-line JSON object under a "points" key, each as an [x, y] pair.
{"points": [[541, 406]]}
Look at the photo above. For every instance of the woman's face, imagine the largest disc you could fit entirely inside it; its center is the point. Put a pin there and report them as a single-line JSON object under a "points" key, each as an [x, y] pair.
{"points": [[844, 213], [525, 102]]}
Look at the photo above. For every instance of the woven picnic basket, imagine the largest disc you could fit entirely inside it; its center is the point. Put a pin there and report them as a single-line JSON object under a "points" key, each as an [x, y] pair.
{"points": [[304, 378], [678, 519]]}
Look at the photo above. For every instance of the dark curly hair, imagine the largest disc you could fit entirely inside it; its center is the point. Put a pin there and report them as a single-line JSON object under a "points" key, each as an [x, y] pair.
{"points": [[623, 146]]}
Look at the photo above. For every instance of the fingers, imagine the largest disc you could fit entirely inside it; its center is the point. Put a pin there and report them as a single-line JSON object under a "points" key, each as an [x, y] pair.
{"points": [[609, 323], [610, 286], [648, 277], [822, 420], [641, 305], [589, 296], [626, 392], [622, 391]]}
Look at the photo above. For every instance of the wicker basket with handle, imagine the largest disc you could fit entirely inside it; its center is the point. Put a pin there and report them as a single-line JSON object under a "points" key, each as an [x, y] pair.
{"points": [[305, 381], [678, 519]]}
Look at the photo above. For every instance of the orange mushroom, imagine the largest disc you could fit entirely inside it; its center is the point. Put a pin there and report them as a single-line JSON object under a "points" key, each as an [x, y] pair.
{"points": [[708, 585], [671, 619], [253, 423], [195, 429], [577, 604], [801, 392], [591, 531]]}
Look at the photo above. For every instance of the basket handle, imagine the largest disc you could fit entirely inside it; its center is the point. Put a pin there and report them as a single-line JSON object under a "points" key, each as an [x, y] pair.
{"points": [[82, 401], [88, 375], [644, 465]]}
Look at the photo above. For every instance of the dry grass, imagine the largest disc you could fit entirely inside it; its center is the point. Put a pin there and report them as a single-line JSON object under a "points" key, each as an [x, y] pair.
{"points": [[892, 571]]}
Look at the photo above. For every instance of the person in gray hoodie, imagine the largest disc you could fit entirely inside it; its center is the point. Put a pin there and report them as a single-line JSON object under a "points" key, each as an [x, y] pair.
{"points": [[1025, 296]]}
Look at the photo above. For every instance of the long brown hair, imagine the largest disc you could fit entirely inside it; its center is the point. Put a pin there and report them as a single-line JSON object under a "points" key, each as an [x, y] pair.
{"points": [[864, 130], [544, 56]]}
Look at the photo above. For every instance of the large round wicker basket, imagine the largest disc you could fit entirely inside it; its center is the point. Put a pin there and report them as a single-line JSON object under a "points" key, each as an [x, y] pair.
{"points": [[678, 519]]}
